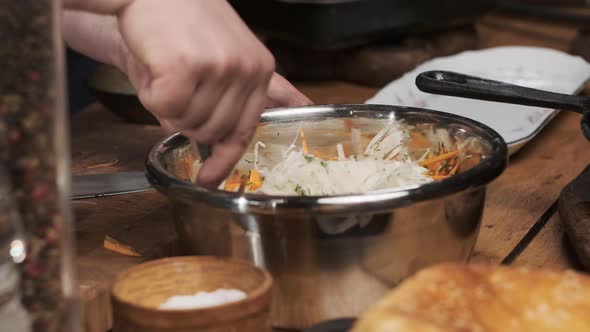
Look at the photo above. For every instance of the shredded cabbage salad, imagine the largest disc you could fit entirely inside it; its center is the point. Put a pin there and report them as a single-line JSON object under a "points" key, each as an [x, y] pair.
{"points": [[385, 163]]}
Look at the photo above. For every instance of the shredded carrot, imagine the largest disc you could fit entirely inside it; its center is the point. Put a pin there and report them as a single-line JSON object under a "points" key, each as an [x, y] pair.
{"points": [[304, 142], [394, 156], [243, 183], [319, 155], [418, 141], [348, 123], [110, 163], [438, 158], [233, 182], [113, 245], [440, 177], [455, 168], [255, 181]]}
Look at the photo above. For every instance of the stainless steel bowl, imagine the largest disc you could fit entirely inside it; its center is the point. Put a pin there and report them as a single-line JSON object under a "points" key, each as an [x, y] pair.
{"points": [[320, 274]]}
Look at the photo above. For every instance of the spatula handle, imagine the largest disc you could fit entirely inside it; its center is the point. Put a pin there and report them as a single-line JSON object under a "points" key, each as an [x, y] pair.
{"points": [[460, 85]]}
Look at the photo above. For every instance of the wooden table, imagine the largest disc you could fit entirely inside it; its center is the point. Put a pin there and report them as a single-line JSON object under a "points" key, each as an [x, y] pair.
{"points": [[516, 201]]}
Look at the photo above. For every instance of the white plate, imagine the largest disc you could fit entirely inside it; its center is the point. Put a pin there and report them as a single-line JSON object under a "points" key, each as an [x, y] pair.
{"points": [[533, 67]]}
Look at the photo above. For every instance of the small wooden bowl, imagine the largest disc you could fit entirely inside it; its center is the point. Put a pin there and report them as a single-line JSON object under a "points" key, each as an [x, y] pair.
{"points": [[138, 292]]}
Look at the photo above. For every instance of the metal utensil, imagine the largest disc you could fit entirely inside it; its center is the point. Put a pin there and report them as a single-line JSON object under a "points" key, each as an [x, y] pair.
{"points": [[465, 86], [344, 272], [99, 185]]}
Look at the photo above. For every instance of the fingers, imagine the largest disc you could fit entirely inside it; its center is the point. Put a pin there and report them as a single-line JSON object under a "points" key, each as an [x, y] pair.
{"points": [[168, 96], [229, 151], [203, 101], [224, 117], [281, 93], [199, 69]]}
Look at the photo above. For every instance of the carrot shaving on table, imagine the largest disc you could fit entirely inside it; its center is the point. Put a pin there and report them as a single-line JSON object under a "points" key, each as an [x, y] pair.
{"points": [[113, 245], [110, 163]]}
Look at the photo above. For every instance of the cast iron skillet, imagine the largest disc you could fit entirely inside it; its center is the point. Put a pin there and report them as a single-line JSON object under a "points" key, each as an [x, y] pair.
{"points": [[338, 24], [460, 85]]}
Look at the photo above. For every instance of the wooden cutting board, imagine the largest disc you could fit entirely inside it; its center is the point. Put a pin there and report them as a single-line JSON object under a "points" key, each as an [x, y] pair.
{"points": [[101, 143], [574, 210]]}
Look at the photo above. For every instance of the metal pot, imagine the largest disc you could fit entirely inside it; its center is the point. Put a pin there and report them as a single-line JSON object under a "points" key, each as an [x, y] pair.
{"points": [[321, 273]]}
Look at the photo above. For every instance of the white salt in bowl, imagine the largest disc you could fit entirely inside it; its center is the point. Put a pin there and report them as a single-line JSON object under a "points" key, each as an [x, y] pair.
{"points": [[139, 292]]}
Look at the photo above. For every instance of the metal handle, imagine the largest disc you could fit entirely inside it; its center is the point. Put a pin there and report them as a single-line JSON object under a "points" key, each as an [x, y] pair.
{"points": [[460, 85]]}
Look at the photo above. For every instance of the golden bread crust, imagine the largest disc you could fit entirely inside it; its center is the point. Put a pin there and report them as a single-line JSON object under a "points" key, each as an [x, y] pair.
{"points": [[483, 298]]}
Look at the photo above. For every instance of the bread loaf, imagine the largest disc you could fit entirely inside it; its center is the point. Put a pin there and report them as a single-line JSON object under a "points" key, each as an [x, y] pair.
{"points": [[478, 298]]}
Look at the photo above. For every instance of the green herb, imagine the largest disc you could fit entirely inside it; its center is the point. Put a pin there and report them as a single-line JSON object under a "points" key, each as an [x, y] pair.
{"points": [[323, 163], [299, 190], [278, 134], [355, 158], [309, 158], [248, 161]]}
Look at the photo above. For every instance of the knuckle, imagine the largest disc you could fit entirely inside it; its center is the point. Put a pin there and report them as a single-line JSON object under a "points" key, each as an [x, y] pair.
{"points": [[230, 63], [249, 69], [161, 106], [178, 62], [222, 64], [242, 137], [268, 63]]}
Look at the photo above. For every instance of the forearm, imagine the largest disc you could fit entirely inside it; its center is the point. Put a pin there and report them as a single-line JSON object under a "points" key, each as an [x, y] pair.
{"points": [[107, 7], [96, 36]]}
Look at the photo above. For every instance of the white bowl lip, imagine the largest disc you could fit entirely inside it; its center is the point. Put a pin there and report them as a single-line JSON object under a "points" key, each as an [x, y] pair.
{"points": [[479, 176]]}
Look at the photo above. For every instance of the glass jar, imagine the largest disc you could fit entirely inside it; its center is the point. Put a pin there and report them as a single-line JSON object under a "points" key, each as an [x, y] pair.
{"points": [[35, 153], [13, 315]]}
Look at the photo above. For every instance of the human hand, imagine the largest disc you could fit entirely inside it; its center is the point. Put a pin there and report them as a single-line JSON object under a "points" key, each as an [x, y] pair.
{"points": [[199, 69]]}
